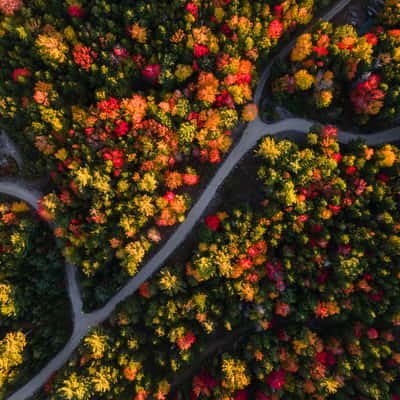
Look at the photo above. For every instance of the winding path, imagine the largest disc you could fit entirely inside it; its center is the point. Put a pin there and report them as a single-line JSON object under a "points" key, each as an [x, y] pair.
{"points": [[254, 131]]}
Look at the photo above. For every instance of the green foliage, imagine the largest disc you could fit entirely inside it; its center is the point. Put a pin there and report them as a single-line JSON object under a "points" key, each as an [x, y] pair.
{"points": [[34, 319]]}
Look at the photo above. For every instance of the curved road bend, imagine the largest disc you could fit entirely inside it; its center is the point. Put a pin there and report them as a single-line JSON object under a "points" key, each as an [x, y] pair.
{"points": [[30, 195]]}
